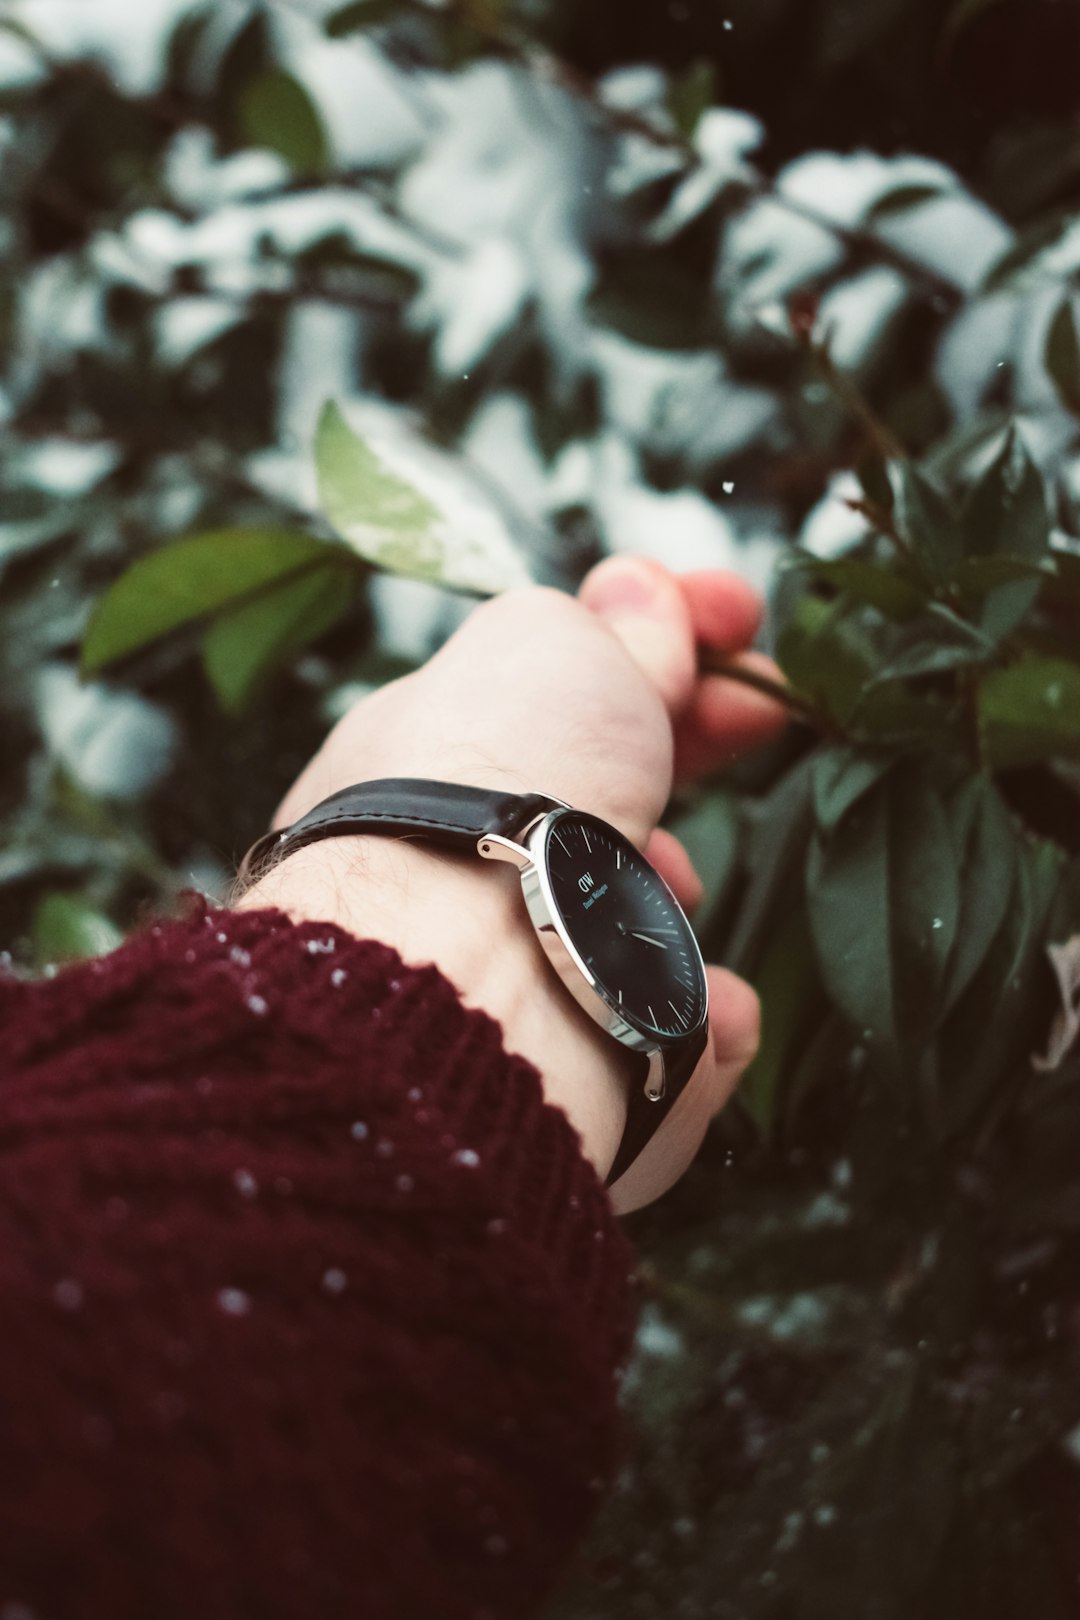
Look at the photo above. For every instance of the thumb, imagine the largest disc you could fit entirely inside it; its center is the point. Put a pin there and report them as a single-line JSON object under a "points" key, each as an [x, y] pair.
{"points": [[640, 601]]}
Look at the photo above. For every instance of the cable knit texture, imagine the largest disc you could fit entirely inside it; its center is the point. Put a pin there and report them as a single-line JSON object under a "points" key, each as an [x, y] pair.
{"points": [[310, 1304]]}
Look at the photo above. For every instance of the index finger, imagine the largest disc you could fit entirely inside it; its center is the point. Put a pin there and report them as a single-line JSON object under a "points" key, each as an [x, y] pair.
{"points": [[725, 611]]}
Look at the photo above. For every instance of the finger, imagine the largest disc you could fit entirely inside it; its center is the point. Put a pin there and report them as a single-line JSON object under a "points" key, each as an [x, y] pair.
{"points": [[674, 865], [724, 719], [734, 1027], [643, 604], [725, 611], [734, 1032]]}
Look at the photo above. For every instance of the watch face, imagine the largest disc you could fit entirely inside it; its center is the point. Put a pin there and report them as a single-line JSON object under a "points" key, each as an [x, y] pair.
{"points": [[626, 925]]}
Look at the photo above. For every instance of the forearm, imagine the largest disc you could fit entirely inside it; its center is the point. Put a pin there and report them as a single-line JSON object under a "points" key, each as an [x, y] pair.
{"points": [[468, 918]]}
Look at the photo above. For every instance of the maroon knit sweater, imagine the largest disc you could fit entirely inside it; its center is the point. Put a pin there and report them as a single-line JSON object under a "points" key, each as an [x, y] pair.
{"points": [[310, 1306]]}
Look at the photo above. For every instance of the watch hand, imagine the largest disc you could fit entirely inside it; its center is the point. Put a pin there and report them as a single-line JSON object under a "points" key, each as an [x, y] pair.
{"points": [[635, 935]]}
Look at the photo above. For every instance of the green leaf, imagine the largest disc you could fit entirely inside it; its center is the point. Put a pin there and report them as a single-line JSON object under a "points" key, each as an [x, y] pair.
{"points": [[187, 581], [826, 655], [940, 642], [902, 199], [985, 847], [978, 576], [1030, 712], [690, 94], [387, 521], [1063, 356], [774, 861], [711, 834], [190, 580], [360, 14], [360, 493], [1001, 590], [1006, 513], [840, 778], [884, 903], [392, 525], [994, 1027], [276, 112], [925, 519], [875, 584], [66, 928], [245, 643], [788, 985], [872, 471]]}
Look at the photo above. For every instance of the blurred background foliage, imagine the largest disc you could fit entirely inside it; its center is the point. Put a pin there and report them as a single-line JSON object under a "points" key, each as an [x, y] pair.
{"points": [[788, 286]]}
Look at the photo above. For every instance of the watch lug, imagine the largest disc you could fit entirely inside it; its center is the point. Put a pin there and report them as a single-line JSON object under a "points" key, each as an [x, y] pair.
{"points": [[655, 1080], [494, 847]]}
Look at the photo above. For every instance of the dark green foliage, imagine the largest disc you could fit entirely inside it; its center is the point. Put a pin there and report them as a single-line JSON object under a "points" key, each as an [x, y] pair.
{"points": [[856, 1399]]}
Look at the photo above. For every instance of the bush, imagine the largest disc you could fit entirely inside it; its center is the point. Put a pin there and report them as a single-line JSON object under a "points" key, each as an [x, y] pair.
{"points": [[583, 281]]}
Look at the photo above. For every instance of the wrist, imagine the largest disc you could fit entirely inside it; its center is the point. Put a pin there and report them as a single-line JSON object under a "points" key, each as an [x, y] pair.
{"points": [[468, 919]]}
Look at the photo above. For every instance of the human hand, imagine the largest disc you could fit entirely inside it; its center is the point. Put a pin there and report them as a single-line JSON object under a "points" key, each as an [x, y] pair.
{"points": [[597, 701]]}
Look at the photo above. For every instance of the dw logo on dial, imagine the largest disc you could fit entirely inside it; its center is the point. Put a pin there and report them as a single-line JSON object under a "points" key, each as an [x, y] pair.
{"points": [[586, 883]]}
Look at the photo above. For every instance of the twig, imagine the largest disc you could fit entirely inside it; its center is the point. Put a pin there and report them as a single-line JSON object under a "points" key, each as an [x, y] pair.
{"points": [[798, 707], [843, 388]]}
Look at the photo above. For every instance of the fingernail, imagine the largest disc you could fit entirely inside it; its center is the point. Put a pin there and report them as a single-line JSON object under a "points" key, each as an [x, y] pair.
{"points": [[620, 586]]}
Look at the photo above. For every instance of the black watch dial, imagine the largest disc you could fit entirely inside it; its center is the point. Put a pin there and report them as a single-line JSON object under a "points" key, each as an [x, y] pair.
{"points": [[626, 925]]}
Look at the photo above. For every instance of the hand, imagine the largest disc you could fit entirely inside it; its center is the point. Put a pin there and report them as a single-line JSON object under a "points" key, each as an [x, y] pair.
{"points": [[596, 701]]}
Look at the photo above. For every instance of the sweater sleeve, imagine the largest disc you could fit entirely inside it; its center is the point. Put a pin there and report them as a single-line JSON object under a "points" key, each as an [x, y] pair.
{"points": [[310, 1306]]}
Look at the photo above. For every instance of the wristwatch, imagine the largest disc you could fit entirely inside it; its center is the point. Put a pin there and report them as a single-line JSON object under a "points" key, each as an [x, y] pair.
{"points": [[606, 920]]}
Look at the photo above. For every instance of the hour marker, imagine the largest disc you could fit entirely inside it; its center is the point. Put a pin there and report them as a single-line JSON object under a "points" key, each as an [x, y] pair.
{"points": [[618, 859], [620, 998], [652, 1017]]}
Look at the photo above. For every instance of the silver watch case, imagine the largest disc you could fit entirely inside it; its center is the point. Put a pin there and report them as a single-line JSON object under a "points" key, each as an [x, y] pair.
{"points": [[560, 950]]}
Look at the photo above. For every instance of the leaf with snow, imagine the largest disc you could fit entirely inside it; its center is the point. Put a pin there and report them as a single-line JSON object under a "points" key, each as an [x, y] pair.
{"points": [[1065, 1030], [471, 301], [404, 512], [1046, 252], [722, 141], [846, 188], [114, 744]]}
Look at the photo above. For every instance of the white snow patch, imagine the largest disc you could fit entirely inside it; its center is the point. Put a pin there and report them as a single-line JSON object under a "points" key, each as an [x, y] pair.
{"points": [[844, 187], [501, 441], [115, 744], [129, 39], [183, 326], [767, 253], [470, 302], [855, 315], [370, 117], [656, 1338], [831, 527]]}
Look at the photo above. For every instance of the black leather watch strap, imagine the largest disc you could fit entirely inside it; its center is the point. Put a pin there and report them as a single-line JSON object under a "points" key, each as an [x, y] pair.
{"points": [[444, 813], [644, 1118]]}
